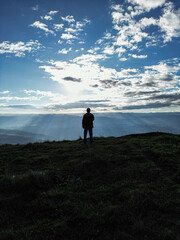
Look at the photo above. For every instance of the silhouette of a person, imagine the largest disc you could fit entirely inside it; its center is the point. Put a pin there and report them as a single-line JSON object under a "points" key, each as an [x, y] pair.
{"points": [[87, 124]]}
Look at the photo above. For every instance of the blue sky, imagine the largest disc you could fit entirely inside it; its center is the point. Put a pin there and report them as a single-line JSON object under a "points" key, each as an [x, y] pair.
{"points": [[112, 56]]}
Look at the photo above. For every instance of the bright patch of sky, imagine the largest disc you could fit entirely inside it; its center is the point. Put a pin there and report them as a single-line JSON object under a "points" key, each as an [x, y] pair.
{"points": [[65, 56]]}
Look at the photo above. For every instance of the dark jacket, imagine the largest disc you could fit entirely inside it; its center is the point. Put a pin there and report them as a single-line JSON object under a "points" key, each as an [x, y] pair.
{"points": [[87, 121]]}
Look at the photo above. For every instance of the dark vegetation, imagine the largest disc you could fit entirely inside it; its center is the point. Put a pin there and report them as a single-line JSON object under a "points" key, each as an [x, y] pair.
{"points": [[119, 188]]}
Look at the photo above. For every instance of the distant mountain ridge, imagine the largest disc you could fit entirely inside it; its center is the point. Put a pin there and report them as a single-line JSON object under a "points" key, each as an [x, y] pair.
{"points": [[10, 136], [69, 127]]}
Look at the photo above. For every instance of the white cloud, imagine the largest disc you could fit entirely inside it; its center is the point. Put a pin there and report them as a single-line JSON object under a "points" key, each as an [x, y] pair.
{"points": [[78, 50], [86, 73], [85, 78], [68, 19], [79, 25], [163, 68], [64, 50], [83, 23], [169, 22], [130, 8], [93, 50], [119, 17], [109, 50], [47, 17], [58, 27], [5, 92], [12, 98], [46, 95], [145, 22], [70, 41], [128, 71], [72, 30], [39, 93], [36, 8], [130, 31], [122, 40], [117, 7], [53, 12], [123, 59], [60, 42], [138, 56], [107, 36], [42, 26], [120, 50], [129, 34], [38, 60], [31, 96], [86, 20], [161, 77], [85, 59], [68, 36], [99, 41], [136, 11], [147, 4], [20, 48], [76, 27]]}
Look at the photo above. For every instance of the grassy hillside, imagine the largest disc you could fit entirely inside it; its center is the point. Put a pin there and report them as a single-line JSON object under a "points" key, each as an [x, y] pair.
{"points": [[119, 188]]}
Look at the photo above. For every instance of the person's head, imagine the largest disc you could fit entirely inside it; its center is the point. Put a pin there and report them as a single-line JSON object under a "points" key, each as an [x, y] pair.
{"points": [[88, 110]]}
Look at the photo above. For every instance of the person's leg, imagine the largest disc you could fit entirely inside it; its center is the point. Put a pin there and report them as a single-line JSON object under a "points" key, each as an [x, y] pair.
{"points": [[85, 135], [91, 135]]}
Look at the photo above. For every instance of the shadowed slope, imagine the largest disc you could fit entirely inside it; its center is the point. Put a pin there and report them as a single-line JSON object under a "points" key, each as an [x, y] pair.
{"points": [[120, 188]]}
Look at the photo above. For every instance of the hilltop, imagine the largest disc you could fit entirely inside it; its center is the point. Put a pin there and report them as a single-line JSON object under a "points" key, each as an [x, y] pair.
{"points": [[119, 188]]}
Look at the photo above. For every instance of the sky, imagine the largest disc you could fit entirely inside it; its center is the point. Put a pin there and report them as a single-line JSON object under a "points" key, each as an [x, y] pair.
{"points": [[112, 56]]}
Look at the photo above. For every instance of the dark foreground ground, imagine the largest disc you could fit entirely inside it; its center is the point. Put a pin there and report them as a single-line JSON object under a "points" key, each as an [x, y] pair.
{"points": [[119, 188]]}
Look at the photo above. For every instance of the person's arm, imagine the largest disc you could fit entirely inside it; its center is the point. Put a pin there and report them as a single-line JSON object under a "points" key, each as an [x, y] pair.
{"points": [[83, 122]]}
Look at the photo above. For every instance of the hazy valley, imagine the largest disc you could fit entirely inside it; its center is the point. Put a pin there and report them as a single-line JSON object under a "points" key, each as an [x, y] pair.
{"points": [[32, 128]]}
